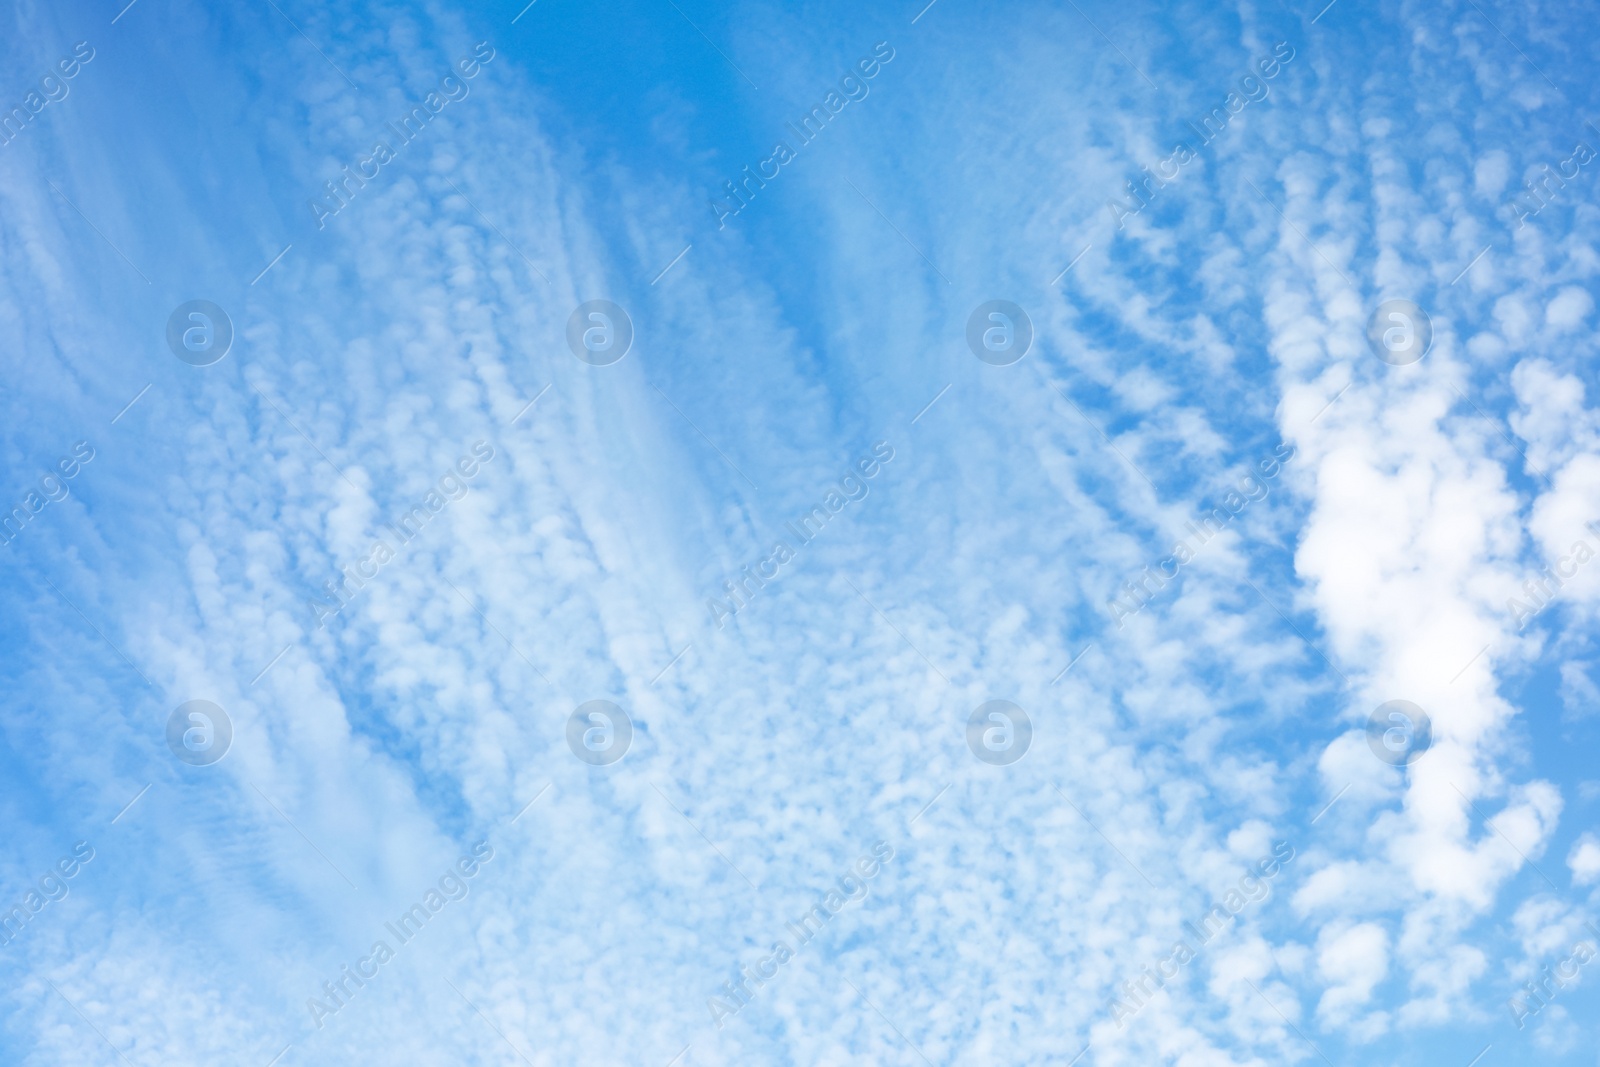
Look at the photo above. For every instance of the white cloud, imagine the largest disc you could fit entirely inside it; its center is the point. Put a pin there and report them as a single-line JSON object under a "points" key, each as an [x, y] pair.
{"points": [[1191, 741], [1491, 173], [1580, 697], [1352, 960], [1569, 308], [1584, 860]]}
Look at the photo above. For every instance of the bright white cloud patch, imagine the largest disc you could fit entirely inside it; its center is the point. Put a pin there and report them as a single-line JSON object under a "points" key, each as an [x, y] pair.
{"points": [[1584, 860]]}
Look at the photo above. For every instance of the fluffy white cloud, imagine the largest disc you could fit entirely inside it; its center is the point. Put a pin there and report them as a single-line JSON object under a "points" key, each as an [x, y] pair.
{"points": [[1569, 308], [1584, 860], [1352, 960]]}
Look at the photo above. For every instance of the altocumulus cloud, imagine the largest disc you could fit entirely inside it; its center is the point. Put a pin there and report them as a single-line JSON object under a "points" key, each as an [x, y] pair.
{"points": [[1424, 155]]}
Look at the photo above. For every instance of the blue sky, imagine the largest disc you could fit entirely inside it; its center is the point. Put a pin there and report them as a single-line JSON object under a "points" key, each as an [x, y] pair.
{"points": [[175, 524]]}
